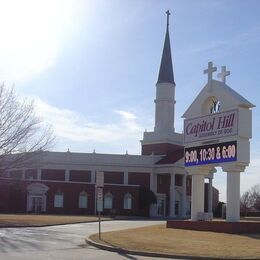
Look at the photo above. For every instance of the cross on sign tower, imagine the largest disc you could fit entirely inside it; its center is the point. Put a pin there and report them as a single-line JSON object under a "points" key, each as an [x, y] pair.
{"points": [[210, 71], [223, 74]]}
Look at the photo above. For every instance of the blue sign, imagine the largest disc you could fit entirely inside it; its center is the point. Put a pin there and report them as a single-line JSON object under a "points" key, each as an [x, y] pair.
{"points": [[210, 154]]}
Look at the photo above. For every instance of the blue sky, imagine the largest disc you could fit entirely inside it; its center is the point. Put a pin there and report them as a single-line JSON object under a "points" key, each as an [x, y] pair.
{"points": [[91, 66]]}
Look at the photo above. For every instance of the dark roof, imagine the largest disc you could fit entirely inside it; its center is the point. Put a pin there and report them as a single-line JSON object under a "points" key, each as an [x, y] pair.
{"points": [[166, 70], [172, 157]]}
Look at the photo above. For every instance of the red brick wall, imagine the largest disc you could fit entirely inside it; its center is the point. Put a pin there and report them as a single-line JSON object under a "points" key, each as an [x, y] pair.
{"points": [[216, 226], [11, 201], [71, 193], [13, 196], [118, 193], [114, 177], [55, 175], [82, 176], [163, 183], [139, 178]]}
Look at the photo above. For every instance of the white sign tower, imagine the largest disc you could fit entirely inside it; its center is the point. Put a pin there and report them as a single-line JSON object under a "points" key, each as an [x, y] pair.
{"points": [[217, 130]]}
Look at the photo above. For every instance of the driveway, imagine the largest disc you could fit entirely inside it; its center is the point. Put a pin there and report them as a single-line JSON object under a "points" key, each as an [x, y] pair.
{"points": [[61, 242]]}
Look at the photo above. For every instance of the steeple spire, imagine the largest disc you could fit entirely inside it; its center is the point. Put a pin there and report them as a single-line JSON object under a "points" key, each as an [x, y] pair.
{"points": [[166, 70], [168, 16]]}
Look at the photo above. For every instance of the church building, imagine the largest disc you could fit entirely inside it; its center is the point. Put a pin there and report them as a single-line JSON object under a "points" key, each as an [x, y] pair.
{"points": [[64, 182]]}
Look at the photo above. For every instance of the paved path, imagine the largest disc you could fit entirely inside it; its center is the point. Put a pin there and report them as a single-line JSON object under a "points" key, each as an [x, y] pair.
{"points": [[61, 242]]}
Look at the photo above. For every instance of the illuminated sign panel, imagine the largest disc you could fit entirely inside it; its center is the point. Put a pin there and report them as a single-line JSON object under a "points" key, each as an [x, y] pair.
{"points": [[208, 154], [211, 126]]}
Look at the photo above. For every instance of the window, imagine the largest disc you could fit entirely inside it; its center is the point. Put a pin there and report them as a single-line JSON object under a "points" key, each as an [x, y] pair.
{"points": [[58, 199], [108, 201], [83, 200], [128, 201]]}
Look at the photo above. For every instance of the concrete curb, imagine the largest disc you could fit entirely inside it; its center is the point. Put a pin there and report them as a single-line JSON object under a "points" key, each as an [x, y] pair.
{"points": [[143, 253]]}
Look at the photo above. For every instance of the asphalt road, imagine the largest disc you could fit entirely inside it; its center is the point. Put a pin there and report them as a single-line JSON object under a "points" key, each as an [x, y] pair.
{"points": [[61, 242]]}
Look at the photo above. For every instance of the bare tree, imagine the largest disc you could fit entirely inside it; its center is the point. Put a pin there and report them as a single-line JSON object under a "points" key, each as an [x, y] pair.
{"points": [[250, 198], [246, 202], [23, 135], [255, 193]]}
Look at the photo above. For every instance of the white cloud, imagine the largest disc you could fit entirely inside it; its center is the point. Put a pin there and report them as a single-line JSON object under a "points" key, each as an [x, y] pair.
{"points": [[77, 128], [126, 115]]}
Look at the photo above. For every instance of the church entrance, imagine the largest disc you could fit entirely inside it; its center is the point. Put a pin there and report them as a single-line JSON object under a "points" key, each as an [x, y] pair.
{"points": [[161, 205], [36, 197], [37, 203]]}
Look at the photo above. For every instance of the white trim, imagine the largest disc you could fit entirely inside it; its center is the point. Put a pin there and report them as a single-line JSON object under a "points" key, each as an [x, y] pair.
{"points": [[172, 200], [73, 182]]}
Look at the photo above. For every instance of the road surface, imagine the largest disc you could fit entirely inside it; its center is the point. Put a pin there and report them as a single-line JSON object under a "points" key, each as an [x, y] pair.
{"points": [[61, 242]]}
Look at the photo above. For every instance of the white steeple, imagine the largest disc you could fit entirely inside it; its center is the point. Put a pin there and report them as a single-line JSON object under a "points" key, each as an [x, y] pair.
{"points": [[164, 139], [165, 89]]}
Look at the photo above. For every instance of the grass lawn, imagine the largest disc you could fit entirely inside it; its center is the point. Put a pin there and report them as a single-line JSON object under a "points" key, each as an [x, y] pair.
{"points": [[184, 242], [41, 220]]}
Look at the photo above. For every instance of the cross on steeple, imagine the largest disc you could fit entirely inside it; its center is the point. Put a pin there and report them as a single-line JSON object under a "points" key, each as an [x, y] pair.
{"points": [[166, 71], [223, 74], [168, 16], [210, 70]]}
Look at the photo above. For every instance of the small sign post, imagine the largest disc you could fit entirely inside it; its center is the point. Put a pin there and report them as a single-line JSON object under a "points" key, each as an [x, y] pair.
{"points": [[100, 179], [99, 193]]}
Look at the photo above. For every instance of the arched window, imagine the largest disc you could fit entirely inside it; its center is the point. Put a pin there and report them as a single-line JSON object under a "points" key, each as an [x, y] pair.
{"points": [[211, 106], [128, 201], [58, 199], [108, 201], [83, 200]]}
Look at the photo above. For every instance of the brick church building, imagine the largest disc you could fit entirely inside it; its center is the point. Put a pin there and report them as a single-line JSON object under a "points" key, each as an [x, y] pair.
{"points": [[64, 182]]}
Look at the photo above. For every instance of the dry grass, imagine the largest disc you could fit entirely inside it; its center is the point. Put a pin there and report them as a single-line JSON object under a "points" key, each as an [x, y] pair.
{"points": [[185, 242], [41, 220]]}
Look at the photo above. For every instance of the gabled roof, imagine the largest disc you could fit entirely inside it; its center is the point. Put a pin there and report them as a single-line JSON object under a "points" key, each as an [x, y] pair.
{"points": [[225, 94], [172, 157]]}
